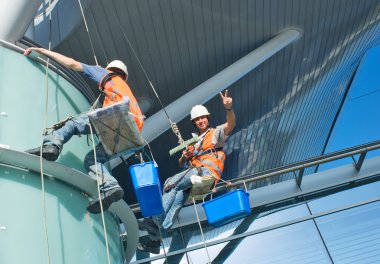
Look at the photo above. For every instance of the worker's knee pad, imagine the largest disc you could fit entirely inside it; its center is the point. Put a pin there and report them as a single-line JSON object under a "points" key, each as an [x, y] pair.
{"points": [[196, 180]]}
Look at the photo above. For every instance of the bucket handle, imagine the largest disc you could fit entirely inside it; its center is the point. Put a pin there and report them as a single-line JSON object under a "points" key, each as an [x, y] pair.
{"points": [[204, 196], [211, 193], [245, 186]]}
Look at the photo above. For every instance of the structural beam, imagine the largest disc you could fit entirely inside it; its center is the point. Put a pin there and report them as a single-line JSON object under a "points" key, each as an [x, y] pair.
{"points": [[15, 17], [158, 123]]}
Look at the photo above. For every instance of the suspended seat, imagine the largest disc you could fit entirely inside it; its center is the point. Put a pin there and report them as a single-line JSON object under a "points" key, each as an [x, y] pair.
{"points": [[116, 129], [199, 190]]}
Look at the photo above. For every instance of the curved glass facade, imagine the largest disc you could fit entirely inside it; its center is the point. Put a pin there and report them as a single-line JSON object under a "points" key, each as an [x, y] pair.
{"points": [[31, 99], [340, 225], [45, 223], [73, 235], [329, 229]]}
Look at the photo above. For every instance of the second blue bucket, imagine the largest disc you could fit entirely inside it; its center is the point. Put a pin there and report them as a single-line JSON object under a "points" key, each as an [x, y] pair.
{"points": [[227, 208], [147, 187]]}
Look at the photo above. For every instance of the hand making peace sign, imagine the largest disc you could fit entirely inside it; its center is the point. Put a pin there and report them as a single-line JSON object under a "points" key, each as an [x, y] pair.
{"points": [[227, 101]]}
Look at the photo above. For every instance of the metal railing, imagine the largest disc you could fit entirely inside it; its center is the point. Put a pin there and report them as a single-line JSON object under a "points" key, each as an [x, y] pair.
{"points": [[71, 76], [300, 167]]}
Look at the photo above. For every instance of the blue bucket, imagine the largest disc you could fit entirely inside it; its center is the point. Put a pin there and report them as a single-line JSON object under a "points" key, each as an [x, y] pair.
{"points": [[227, 208], [147, 186]]}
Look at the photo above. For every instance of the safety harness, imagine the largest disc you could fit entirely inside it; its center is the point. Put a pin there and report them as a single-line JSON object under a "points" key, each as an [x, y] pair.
{"points": [[102, 85], [196, 156]]}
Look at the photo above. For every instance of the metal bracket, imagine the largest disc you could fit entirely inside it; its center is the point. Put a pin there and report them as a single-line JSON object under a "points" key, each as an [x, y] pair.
{"points": [[299, 176], [359, 163]]}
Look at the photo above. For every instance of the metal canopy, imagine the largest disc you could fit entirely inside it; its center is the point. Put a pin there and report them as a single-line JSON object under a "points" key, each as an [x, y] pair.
{"points": [[285, 107]]}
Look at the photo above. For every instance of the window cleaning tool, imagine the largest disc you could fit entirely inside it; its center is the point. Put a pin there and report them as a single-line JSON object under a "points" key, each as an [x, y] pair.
{"points": [[184, 145]]}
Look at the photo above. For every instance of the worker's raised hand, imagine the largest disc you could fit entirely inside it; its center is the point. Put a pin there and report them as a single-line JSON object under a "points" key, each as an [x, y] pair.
{"points": [[227, 101]]}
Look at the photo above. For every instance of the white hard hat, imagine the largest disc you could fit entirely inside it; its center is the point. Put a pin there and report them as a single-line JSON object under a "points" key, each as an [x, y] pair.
{"points": [[197, 111], [119, 65]]}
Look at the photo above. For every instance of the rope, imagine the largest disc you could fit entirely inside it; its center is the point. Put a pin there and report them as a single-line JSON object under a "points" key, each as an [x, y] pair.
{"points": [[200, 227], [99, 195], [183, 241], [163, 246], [57, 125], [98, 35], [151, 153], [41, 163], [93, 107], [228, 183], [93, 145], [173, 125], [175, 130], [88, 32]]}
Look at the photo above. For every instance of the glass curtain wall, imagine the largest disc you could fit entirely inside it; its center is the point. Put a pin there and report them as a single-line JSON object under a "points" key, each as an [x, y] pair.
{"points": [[341, 227]]}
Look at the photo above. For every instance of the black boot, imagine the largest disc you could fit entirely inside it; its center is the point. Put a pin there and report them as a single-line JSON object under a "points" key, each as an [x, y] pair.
{"points": [[148, 225], [49, 152], [152, 246], [108, 198]]}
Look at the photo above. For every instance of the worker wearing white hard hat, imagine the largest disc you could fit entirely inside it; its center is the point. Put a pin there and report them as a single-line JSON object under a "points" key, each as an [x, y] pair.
{"points": [[204, 159], [197, 111], [118, 67], [112, 82]]}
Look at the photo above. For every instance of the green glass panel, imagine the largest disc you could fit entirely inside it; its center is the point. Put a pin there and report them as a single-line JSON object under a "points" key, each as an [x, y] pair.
{"points": [[73, 235], [31, 99]]}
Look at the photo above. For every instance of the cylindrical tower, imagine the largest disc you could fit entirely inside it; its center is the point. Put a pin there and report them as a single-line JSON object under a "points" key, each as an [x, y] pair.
{"points": [[50, 225]]}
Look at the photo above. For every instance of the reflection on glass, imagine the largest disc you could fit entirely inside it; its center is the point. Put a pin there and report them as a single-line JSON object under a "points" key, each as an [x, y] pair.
{"points": [[202, 256], [353, 236], [336, 200], [298, 243], [191, 236], [278, 216]]}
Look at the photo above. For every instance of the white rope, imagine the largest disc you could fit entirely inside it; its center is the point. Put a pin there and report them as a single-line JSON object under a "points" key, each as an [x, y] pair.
{"points": [[88, 32], [98, 35], [99, 196], [41, 147], [163, 245], [200, 227], [220, 179], [173, 125], [93, 145], [189, 260], [151, 153]]}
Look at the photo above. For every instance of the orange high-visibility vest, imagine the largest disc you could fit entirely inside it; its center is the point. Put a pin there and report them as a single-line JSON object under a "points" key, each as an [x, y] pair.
{"points": [[207, 156], [115, 90]]}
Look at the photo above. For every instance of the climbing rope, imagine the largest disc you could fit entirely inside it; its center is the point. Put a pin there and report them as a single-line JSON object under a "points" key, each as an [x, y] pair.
{"points": [[41, 163], [57, 125], [99, 195], [201, 229], [163, 245], [88, 32], [93, 145], [173, 125]]}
